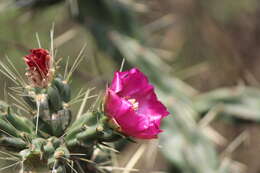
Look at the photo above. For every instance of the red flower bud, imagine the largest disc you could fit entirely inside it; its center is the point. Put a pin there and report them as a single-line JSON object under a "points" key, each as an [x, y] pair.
{"points": [[39, 62]]}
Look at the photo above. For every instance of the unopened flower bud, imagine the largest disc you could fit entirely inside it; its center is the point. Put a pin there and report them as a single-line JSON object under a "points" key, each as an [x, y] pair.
{"points": [[39, 67]]}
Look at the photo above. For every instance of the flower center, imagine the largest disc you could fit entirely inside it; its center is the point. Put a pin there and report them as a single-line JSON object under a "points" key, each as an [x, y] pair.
{"points": [[134, 103]]}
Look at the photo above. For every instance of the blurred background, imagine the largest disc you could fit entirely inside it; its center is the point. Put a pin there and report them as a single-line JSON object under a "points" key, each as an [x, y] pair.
{"points": [[202, 56]]}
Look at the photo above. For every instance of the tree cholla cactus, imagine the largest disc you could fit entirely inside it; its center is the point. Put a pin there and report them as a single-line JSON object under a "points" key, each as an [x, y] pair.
{"points": [[47, 136]]}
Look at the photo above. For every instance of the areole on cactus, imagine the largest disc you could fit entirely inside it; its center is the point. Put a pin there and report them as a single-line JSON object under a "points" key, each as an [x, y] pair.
{"points": [[48, 137]]}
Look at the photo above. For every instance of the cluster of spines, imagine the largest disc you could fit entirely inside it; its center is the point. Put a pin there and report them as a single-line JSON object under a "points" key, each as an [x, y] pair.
{"points": [[52, 115], [49, 137]]}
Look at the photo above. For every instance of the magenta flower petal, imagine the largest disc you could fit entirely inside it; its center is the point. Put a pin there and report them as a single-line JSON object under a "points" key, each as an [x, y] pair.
{"points": [[122, 106], [132, 103], [131, 82]]}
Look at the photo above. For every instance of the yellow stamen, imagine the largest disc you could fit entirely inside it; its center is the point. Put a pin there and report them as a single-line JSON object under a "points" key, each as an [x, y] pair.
{"points": [[135, 104]]}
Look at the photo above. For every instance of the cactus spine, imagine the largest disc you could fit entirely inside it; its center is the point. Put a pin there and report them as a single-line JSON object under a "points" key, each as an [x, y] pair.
{"points": [[46, 136]]}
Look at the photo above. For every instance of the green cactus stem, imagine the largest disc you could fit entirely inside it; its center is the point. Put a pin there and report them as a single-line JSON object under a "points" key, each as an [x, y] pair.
{"points": [[7, 129], [13, 143], [54, 99], [20, 122], [63, 88]]}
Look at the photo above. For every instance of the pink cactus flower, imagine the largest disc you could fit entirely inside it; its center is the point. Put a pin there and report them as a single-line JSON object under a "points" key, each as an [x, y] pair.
{"points": [[38, 63], [131, 103]]}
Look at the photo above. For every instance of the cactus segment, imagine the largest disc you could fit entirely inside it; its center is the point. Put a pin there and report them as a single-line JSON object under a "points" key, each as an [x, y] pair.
{"points": [[60, 121], [12, 142], [7, 129], [38, 144], [63, 88], [30, 101], [110, 136], [55, 141], [89, 135], [54, 99], [21, 123], [44, 127], [73, 132], [88, 119], [48, 149], [43, 106]]}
